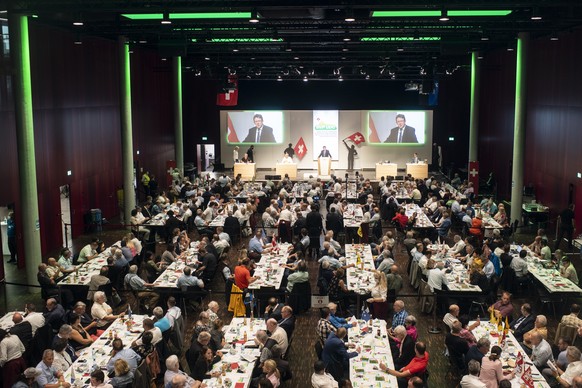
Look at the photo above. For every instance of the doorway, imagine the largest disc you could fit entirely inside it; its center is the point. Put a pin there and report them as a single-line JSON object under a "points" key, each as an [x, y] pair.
{"points": [[206, 157], [66, 215], [4, 210]]}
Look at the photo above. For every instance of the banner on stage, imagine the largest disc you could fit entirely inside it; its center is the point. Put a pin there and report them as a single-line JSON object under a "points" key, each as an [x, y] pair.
{"points": [[326, 132]]}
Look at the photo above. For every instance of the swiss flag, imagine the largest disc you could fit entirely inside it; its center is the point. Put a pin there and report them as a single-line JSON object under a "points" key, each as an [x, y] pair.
{"points": [[357, 138], [300, 148], [527, 378], [232, 137], [230, 97], [474, 176]]}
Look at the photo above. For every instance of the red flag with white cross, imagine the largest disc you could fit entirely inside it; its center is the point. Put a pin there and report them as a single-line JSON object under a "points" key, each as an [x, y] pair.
{"points": [[300, 148], [357, 138], [474, 176]]}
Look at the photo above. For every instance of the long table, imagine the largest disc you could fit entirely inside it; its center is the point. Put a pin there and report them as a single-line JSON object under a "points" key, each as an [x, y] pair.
{"points": [[360, 279], [99, 352], [549, 277], [353, 216], [509, 354], [458, 278], [375, 348], [422, 221], [169, 278], [238, 361], [270, 268], [82, 276]]}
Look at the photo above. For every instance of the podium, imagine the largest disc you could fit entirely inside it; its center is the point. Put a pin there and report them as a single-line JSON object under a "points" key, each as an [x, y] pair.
{"points": [[287, 168], [246, 170], [417, 170], [324, 166], [386, 169]]}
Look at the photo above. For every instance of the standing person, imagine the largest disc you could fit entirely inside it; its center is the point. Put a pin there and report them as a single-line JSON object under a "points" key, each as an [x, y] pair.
{"points": [[260, 133], [289, 151], [351, 155], [145, 182], [402, 133], [11, 233], [250, 154], [235, 154], [567, 226], [324, 153]]}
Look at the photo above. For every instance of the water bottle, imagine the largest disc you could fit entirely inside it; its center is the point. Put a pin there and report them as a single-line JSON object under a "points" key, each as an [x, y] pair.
{"points": [[129, 313]]}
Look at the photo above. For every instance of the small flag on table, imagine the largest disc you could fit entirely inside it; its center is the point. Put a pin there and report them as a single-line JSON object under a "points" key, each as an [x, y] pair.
{"points": [[300, 148], [527, 379], [360, 232]]}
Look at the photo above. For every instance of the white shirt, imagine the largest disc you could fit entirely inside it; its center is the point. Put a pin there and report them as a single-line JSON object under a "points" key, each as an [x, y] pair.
{"points": [[10, 349], [280, 335], [470, 381], [323, 381], [458, 247], [286, 215], [436, 279], [99, 311], [574, 369], [157, 337], [36, 320]]}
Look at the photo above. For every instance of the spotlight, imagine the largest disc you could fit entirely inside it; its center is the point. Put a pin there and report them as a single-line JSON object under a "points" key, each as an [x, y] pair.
{"points": [[554, 37], [350, 16], [254, 17], [279, 78], [535, 15], [166, 18], [444, 16], [340, 78], [305, 78]]}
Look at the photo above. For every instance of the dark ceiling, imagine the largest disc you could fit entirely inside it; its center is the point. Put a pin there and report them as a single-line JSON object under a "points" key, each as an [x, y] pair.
{"points": [[297, 39]]}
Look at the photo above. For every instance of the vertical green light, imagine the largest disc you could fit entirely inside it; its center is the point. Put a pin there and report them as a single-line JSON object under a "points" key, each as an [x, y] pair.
{"points": [[126, 129], [178, 126], [474, 108], [519, 127], [22, 86]]}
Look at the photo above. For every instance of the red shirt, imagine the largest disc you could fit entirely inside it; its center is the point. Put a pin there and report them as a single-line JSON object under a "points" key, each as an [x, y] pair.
{"points": [[402, 219], [417, 366], [241, 277]]}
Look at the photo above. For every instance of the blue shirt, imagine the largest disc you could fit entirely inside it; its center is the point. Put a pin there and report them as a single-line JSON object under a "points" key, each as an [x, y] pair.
{"points": [[163, 324], [47, 374], [339, 322], [334, 351], [185, 281], [398, 318], [256, 245], [128, 355]]}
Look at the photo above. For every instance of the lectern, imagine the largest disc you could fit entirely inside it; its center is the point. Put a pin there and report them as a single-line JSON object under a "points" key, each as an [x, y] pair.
{"points": [[324, 165]]}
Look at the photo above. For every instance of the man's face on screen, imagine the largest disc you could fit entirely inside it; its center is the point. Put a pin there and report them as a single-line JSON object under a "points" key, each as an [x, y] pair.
{"points": [[258, 122], [400, 122]]}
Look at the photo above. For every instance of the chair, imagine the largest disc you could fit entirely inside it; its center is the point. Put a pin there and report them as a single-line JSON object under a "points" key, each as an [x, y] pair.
{"points": [[108, 290], [427, 299], [194, 293], [546, 299], [380, 310], [415, 275], [566, 331], [300, 298], [365, 228], [318, 349]]}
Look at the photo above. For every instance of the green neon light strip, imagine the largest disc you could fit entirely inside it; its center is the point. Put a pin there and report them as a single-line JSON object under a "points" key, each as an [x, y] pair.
{"points": [[419, 26], [404, 14], [489, 12], [427, 13], [199, 15], [244, 40], [399, 38]]}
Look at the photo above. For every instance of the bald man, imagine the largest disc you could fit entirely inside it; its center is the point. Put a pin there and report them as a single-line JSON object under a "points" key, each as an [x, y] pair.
{"points": [[22, 329]]}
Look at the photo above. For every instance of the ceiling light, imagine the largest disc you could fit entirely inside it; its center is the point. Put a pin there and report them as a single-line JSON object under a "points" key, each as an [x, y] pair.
{"points": [[305, 78], [554, 37], [166, 19], [164, 59], [345, 48], [416, 36], [235, 50], [206, 58], [279, 79], [479, 56], [535, 15], [254, 17], [78, 41], [367, 76], [142, 41], [258, 72], [510, 47], [444, 16], [484, 38], [349, 15], [288, 47], [347, 38], [78, 23], [296, 58], [340, 78], [400, 49]]}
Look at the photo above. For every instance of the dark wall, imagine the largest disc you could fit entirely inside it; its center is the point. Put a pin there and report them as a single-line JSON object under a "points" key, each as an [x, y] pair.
{"points": [[450, 116], [554, 113], [75, 92]]}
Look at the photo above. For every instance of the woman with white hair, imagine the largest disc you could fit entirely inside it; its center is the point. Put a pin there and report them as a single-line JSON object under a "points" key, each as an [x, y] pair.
{"points": [[173, 369], [102, 311]]}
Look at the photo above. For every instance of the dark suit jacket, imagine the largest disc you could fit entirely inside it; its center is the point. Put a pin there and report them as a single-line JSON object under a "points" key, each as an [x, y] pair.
{"points": [[288, 325], [23, 331], [408, 136], [315, 223], [276, 313], [266, 135], [526, 325], [334, 221], [325, 154], [407, 354]]}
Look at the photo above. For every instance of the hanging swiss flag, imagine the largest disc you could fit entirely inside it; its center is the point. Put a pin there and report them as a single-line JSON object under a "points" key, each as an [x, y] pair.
{"points": [[229, 97], [232, 137], [474, 176], [357, 138], [300, 148]]}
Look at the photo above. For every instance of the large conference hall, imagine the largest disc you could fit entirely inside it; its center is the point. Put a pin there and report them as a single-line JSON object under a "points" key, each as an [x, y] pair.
{"points": [[320, 194]]}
